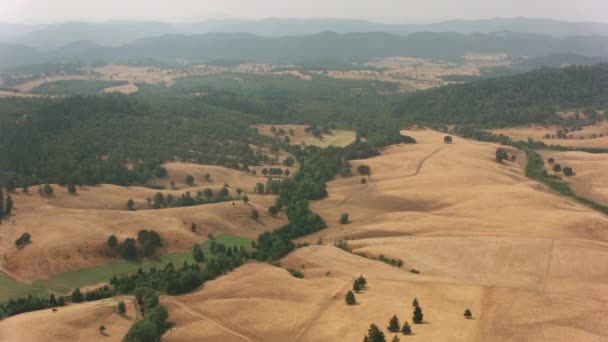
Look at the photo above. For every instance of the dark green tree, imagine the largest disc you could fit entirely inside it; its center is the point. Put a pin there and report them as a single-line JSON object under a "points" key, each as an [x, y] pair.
{"points": [[273, 211], [393, 324], [47, 190], [189, 180], [8, 206], [364, 170], [374, 334], [350, 298], [468, 314], [112, 241], [568, 172], [76, 296], [130, 204], [501, 155], [557, 168], [72, 189], [406, 329], [245, 199], [197, 253], [254, 215], [344, 218], [418, 316], [122, 308], [193, 227]]}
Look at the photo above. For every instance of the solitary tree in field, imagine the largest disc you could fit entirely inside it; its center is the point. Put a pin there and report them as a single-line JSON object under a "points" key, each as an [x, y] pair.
{"points": [[551, 160], [557, 168], [245, 199], [189, 180], [363, 181], [122, 308], [467, 314], [254, 214], [102, 329], [393, 324], [567, 172], [350, 298], [364, 170], [447, 139], [344, 218], [130, 204], [406, 329]]}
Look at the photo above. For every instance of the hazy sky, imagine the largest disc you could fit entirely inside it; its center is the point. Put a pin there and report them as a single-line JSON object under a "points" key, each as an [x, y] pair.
{"points": [[394, 11]]}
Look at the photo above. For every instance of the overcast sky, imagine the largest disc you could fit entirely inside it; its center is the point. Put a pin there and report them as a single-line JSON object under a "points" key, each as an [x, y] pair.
{"points": [[391, 11]]}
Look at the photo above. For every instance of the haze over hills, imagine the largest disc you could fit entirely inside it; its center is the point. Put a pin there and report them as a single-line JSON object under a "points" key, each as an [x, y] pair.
{"points": [[115, 33], [321, 48]]}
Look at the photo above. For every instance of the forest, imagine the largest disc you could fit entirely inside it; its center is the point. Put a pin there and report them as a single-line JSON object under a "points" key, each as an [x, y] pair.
{"points": [[532, 97]]}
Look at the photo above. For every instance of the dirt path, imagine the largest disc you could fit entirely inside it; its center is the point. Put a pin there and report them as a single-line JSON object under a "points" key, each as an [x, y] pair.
{"points": [[324, 306], [425, 159], [208, 319]]}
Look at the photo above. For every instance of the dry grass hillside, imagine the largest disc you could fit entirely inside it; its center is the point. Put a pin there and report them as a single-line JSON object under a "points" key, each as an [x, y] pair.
{"points": [[531, 265], [590, 179], [69, 232], [78, 322], [594, 136], [336, 138]]}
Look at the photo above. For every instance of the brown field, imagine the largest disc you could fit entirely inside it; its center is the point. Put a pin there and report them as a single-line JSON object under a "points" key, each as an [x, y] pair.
{"points": [[418, 73], [69, 231], [531, 265], [589, 136], [337, 138], [5, 93], [590, 179], [77, 322]]}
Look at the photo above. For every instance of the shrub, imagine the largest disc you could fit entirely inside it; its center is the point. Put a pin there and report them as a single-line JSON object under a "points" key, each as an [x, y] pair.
{"points": [[47, 190], [551, 160], [295, 273], [467, 314], [557, 168], [72, 189], [364, 170], [130, 204], [23, 240], [568, 171], [122, 308], [344, 218], [447, 139], [189, 180], [254, 214]]}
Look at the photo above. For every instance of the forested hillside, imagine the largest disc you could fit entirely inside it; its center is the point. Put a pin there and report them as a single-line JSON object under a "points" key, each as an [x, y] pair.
{"points": [[525, 98]]}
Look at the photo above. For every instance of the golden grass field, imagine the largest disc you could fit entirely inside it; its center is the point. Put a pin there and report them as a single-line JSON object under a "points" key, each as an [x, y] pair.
{"points": [[69, 232], [590, 179], [337, 138], [78, 322], [531, 265], [589, 136]]}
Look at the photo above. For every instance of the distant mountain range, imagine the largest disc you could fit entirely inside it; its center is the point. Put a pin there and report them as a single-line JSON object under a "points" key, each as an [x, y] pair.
{"points": [[117, 33], [324, 48]]}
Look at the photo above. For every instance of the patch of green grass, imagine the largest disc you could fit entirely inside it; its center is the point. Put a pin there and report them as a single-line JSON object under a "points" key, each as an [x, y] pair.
{"points": [[64, 283], [228, 241]]}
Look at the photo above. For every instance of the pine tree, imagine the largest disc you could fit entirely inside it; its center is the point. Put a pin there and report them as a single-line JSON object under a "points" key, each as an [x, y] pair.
{"points": [[406, 329], [357, 286], [350, 298], [393, 324], [197, 253], [395, 339], [374, 334], [418, 316]]}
